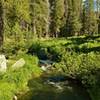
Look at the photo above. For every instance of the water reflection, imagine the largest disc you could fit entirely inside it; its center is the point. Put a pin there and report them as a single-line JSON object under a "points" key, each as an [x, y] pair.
{"points": [[41, 91]]}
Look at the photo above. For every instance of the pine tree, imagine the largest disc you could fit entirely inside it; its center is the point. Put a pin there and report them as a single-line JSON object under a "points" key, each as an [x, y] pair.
{"points": [[16, 18], [40, 17], [24, 21], [57, 15], [73, 18], [11, 19], [90, 21]]}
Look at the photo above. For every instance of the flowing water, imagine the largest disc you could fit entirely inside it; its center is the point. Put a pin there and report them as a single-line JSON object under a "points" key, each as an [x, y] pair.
{"points": [[54, 88], [40, 90]]}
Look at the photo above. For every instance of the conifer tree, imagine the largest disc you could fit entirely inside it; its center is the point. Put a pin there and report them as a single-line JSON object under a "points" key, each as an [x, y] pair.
{"points": [[16, 18], [90, 20], [73, 18], [57, 15], [40, 17]]}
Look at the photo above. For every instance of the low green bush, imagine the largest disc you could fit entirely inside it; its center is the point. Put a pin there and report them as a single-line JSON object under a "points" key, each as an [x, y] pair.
{"points": [[83, 66]]}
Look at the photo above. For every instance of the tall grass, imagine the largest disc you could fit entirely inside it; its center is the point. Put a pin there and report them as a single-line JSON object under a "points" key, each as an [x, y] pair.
{"points": [[14, 81]]}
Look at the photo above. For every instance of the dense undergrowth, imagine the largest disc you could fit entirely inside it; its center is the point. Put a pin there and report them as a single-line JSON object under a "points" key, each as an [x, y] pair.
{"points": [[76, 57]]}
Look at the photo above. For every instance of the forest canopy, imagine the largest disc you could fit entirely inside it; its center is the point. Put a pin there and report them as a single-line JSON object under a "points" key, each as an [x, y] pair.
{"points": [[48, 18]]}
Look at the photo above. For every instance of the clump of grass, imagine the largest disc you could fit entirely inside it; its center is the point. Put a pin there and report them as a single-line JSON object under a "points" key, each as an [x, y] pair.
{"points": [[14, 81]]}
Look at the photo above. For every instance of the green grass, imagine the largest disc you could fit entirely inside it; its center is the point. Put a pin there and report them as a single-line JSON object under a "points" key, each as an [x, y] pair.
{"points": [[15, 81], [78, 57]]}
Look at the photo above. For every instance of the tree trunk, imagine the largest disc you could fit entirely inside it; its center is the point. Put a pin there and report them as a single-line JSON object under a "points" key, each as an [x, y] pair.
{"points": [[1, 24]]}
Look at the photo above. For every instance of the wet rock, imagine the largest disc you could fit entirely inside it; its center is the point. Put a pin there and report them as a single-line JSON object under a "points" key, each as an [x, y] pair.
{"points": [[57, 85], [45, 64]]}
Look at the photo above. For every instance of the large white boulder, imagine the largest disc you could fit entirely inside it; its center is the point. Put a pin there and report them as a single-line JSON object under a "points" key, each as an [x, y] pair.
{"points": [[3, 63], [20, 63]]}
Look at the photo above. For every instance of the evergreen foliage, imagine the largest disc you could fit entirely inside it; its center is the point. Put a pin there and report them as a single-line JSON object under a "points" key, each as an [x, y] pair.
{"points": [[27, 19], [29, 22]]}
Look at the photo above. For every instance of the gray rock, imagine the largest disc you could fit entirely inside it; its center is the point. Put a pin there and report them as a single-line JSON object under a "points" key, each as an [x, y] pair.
{"points": [[3, 63], [20, 63]]}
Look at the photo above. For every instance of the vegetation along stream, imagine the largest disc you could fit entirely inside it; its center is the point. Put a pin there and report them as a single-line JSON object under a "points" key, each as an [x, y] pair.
{"points": [[54, 87], [42, 90]]}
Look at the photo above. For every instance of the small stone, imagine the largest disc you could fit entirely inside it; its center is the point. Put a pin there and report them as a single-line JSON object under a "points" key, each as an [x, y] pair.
{"points": [[15, 98], [43, 68]]}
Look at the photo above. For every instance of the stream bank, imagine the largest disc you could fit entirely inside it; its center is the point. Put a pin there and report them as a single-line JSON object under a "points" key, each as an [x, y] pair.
{"points": [[54, 88]]}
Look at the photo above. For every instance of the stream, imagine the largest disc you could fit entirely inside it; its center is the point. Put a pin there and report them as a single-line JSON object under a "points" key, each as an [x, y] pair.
{"points": [[54, 88], [49, 90]]}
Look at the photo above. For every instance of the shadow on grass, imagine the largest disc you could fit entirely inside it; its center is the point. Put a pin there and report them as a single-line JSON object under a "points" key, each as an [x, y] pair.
{"points": [[80, 40], [84, 49], [51, 52]]}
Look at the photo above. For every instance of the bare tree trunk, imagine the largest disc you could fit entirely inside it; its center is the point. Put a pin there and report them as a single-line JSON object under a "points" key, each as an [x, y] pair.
{"points": [[98, 15], [1, 24], [47, 20]]}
